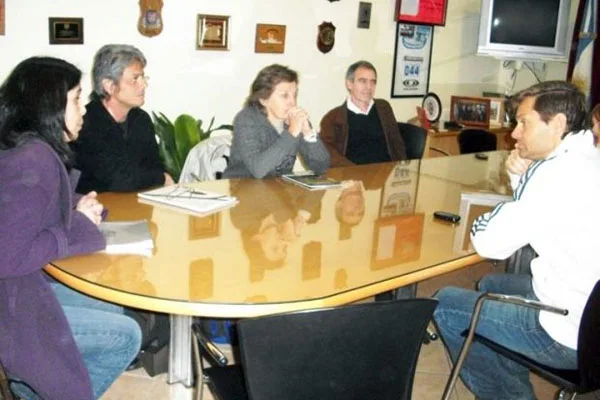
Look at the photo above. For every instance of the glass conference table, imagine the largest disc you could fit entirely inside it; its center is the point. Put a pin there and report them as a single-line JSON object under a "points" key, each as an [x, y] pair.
{"points": [[284, 248]]}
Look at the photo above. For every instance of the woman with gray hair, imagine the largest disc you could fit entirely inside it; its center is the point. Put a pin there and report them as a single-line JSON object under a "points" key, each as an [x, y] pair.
{"points": [[117, 149], [271, 129]]}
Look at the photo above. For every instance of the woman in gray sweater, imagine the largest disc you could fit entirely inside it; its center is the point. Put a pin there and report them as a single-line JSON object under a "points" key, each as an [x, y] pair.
{"points": [[271, 130]]}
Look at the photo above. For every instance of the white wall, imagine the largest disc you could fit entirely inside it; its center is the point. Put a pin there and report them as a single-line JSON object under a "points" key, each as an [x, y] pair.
{"points": [[207, 83]]}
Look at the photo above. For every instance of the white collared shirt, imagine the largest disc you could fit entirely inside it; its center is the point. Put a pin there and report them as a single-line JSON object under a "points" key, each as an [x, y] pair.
{"points": [[355, 109]]}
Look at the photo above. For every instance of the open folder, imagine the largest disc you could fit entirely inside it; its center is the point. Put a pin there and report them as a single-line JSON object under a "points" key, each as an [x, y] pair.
{"points": [[188, 199]]}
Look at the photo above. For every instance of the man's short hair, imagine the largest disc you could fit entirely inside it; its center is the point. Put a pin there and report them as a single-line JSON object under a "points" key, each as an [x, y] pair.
{"points": [[359, 64], [555, 97], [110, 62]]}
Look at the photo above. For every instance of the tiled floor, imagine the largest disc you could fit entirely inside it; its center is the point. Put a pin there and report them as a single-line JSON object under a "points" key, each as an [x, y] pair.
{"points": [[433, 367]]}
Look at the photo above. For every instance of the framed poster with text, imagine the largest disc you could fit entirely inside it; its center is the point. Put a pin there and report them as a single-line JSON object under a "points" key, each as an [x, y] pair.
{"points": [[412, 60], [427, 12]]}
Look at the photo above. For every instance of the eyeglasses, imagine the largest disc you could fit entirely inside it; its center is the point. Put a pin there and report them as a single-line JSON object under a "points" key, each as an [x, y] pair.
{"points": [[138, 80]]}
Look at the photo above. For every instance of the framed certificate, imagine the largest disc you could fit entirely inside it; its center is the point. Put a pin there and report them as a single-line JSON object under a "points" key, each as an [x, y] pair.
{"points": [[426, 12]]}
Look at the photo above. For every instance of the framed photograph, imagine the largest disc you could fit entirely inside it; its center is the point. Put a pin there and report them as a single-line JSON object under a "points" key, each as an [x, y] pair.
{"points": [[269, 38], [65, 30], [427, 12], [212, 32], [412, 60], [470, 111], [204, 227], [2, 16], [496, 111]]}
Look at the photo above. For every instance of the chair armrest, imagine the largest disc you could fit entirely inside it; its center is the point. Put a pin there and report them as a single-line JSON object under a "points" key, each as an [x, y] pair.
{"points": [[214, 352], [444, 152], [522, 302], [473, 325]]}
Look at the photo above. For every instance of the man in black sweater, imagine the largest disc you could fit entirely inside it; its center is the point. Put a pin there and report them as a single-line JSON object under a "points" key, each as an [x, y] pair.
{"points": [[117, 150]]}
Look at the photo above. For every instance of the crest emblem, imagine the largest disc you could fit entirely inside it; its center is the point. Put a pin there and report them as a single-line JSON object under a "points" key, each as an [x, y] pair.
{"points": [[326, 37]]}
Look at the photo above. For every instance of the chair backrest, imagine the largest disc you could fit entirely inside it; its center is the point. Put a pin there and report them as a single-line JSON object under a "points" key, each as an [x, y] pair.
{"points": [[364, 351], [475, 141], [414, 138], [207, 160], [588, 347]]}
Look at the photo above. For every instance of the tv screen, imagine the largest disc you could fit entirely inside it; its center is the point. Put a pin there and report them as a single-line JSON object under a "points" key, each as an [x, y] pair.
{"points": [[524, 29]]}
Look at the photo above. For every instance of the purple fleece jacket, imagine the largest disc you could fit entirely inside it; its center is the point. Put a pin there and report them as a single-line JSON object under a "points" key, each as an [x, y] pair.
{"points": [[38, 224]]}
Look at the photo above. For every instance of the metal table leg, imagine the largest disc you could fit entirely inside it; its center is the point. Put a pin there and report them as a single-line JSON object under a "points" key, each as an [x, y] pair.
{"points": [[180, 351]]}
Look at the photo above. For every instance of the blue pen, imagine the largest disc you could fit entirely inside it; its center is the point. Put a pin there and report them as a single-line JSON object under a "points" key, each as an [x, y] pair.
{"points": [[104, 213]]}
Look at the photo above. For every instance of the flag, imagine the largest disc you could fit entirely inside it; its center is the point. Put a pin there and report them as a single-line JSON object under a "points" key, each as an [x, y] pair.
{"points": [[582, 70]]}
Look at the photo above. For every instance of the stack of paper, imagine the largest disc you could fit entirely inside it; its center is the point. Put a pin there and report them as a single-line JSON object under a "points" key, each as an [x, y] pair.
{"points": [[129, 237], [188, 198]]}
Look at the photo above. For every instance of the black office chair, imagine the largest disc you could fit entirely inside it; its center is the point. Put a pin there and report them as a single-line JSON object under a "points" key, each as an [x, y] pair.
{"points": [[476, 141], [362, 351], [415, 140], [585, 379]]}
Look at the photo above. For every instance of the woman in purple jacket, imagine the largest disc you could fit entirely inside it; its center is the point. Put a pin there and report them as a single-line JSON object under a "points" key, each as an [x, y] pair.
{"points": [[60, 343]]}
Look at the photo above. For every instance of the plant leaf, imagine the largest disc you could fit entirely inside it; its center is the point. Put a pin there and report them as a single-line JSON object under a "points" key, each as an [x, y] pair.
{"points": [[186, 135]]}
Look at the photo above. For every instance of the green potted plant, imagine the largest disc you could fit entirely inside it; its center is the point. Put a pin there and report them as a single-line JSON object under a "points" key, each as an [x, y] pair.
{"points": [[176, 139]]}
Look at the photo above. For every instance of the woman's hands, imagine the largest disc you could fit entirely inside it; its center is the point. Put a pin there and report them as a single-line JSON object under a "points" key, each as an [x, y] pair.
{"points": [[89, 206], [299, 122]]}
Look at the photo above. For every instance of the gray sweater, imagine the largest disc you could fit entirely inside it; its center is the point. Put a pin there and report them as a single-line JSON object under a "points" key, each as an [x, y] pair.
{"points": [[258, 151]]}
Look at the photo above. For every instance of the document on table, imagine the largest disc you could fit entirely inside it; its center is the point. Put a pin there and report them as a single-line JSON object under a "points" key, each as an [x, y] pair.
{"points": [[188, 199], [127, 237]]}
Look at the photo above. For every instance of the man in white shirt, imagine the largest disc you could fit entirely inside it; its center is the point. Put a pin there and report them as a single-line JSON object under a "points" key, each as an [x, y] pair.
{"points": [[362, 130], [555, 173]]}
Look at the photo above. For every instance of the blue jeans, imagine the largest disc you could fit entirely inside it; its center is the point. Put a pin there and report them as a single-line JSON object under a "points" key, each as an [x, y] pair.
{"points": [[107, 340], [487, 374]]}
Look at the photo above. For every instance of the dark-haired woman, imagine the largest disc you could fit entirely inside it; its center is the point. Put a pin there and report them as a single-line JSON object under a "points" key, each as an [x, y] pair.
{"points": [[59, 343], [271, 130]]}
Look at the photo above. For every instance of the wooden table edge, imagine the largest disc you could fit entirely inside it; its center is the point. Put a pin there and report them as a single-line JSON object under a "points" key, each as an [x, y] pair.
{"points": [[216, 310]]}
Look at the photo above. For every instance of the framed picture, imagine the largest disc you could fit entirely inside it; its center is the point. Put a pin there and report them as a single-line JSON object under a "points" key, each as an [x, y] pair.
{"points": [[412, 60], [269, 38], [470, 111], [2, 16], [428, 12], [496, 111], [204, 227], [212, 32], [65, 30]]}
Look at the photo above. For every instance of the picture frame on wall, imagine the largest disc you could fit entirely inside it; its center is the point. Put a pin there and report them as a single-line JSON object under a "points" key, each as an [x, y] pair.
{"points": [[63, 30], [496, 111], [470, 111], [269, 38], [427, 12], [412, 60], [2, 18], [212, 32]]}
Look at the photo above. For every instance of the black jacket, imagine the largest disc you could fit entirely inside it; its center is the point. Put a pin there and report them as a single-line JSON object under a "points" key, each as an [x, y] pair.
{"points": [[113, 159]]}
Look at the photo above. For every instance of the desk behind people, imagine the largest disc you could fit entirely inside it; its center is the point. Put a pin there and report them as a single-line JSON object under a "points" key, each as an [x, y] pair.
{"points": [[447, 140]]}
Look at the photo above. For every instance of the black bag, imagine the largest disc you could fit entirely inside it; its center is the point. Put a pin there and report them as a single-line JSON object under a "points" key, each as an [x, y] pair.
{"points": [[156, 332]]}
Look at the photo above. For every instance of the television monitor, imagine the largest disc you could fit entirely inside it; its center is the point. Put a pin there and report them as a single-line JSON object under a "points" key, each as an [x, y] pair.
{"points": [[524, 29]]}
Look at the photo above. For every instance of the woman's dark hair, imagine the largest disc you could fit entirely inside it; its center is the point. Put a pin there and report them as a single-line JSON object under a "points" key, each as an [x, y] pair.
{"points": [[33, 101], [265, 82]]}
